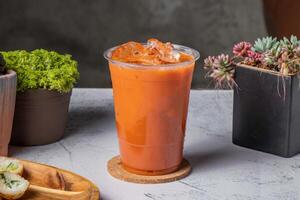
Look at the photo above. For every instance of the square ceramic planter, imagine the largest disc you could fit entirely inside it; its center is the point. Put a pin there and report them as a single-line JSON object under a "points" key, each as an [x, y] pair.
{"points": [[266, 111]]}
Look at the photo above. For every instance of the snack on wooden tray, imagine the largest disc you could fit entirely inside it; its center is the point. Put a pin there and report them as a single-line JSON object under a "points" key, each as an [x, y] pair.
{"points": [[43, 182], [12, 186], [11, 165]]}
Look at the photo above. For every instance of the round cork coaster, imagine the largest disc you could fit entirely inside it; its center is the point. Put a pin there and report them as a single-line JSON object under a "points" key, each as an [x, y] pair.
{"points": [[114, 167]]}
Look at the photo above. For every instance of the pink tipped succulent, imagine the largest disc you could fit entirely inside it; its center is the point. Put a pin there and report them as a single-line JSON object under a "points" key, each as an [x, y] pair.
{"points": [[282, 56], [254, 55], [241, 49], [222, 61], [220, 69], [209, 62], [297, 51]]}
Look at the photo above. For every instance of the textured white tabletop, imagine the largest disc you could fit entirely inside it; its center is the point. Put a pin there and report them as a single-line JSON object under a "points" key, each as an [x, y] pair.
{"points": [[221, 170]]}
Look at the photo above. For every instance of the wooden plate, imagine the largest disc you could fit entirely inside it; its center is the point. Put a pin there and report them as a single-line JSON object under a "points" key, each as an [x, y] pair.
{"points": [[54, 178]]}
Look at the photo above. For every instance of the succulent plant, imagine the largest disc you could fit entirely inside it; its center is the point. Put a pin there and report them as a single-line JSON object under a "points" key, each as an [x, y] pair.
{"points": [[220, 68], [297, 51], [2, 65], [290, 44], [282, 56], [289, 60], [264, 44], [271, 56], [241, 49], [252, 58], [254, 55], [209, 62]]}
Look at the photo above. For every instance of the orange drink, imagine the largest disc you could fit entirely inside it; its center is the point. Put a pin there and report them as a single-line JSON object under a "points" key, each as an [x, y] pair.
{"points": [[151, 86]]}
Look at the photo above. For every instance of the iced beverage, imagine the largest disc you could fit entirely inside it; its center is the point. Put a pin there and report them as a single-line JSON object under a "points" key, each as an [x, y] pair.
{"points": [[151, 86]]}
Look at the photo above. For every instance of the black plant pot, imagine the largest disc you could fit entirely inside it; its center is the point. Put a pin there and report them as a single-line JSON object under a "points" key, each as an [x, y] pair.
{"points": [[266, 111], [40, 117]]}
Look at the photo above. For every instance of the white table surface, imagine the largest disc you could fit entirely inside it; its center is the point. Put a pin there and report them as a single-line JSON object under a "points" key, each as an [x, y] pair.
{"points": [[221, 170]]}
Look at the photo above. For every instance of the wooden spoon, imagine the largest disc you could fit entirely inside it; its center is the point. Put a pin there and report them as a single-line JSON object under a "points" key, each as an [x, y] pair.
{"points": [[58, 194]]}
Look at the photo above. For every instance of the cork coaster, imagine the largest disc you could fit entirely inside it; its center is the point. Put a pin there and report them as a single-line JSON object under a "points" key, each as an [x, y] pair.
{"points": [[115, 169]]}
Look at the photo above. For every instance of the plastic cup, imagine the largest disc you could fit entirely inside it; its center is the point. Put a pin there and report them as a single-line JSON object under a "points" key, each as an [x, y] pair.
{"points": [[151, 106]]}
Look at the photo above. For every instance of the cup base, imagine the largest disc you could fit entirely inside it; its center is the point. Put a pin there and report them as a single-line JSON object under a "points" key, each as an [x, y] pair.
{"points": [[150, 172], [116, 170]]}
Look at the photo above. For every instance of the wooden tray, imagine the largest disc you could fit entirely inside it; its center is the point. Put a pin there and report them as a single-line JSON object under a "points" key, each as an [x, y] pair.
{"points": [[54, 178]]}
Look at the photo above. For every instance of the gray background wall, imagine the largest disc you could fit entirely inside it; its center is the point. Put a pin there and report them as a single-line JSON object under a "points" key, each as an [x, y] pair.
{"points": [[85, 28]]}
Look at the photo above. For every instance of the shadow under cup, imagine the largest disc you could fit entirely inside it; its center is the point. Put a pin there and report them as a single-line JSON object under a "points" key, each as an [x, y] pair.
{"points": [[151, 105]]}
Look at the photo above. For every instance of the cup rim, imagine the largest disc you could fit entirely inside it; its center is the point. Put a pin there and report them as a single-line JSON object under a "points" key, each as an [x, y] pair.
{"points": [[180, 48]]}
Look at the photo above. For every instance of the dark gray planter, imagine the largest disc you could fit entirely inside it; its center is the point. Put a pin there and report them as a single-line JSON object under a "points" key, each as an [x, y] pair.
{"points": [[40, 117], [8, 84], [263, 118]]}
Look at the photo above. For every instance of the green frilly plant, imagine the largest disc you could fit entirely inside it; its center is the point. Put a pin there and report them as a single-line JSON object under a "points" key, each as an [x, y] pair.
{"points": [[42, 69]]}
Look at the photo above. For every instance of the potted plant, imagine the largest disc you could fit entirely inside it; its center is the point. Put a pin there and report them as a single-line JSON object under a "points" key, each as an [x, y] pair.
{"points": [[44, 86], [266, 93], [8, 82]]}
